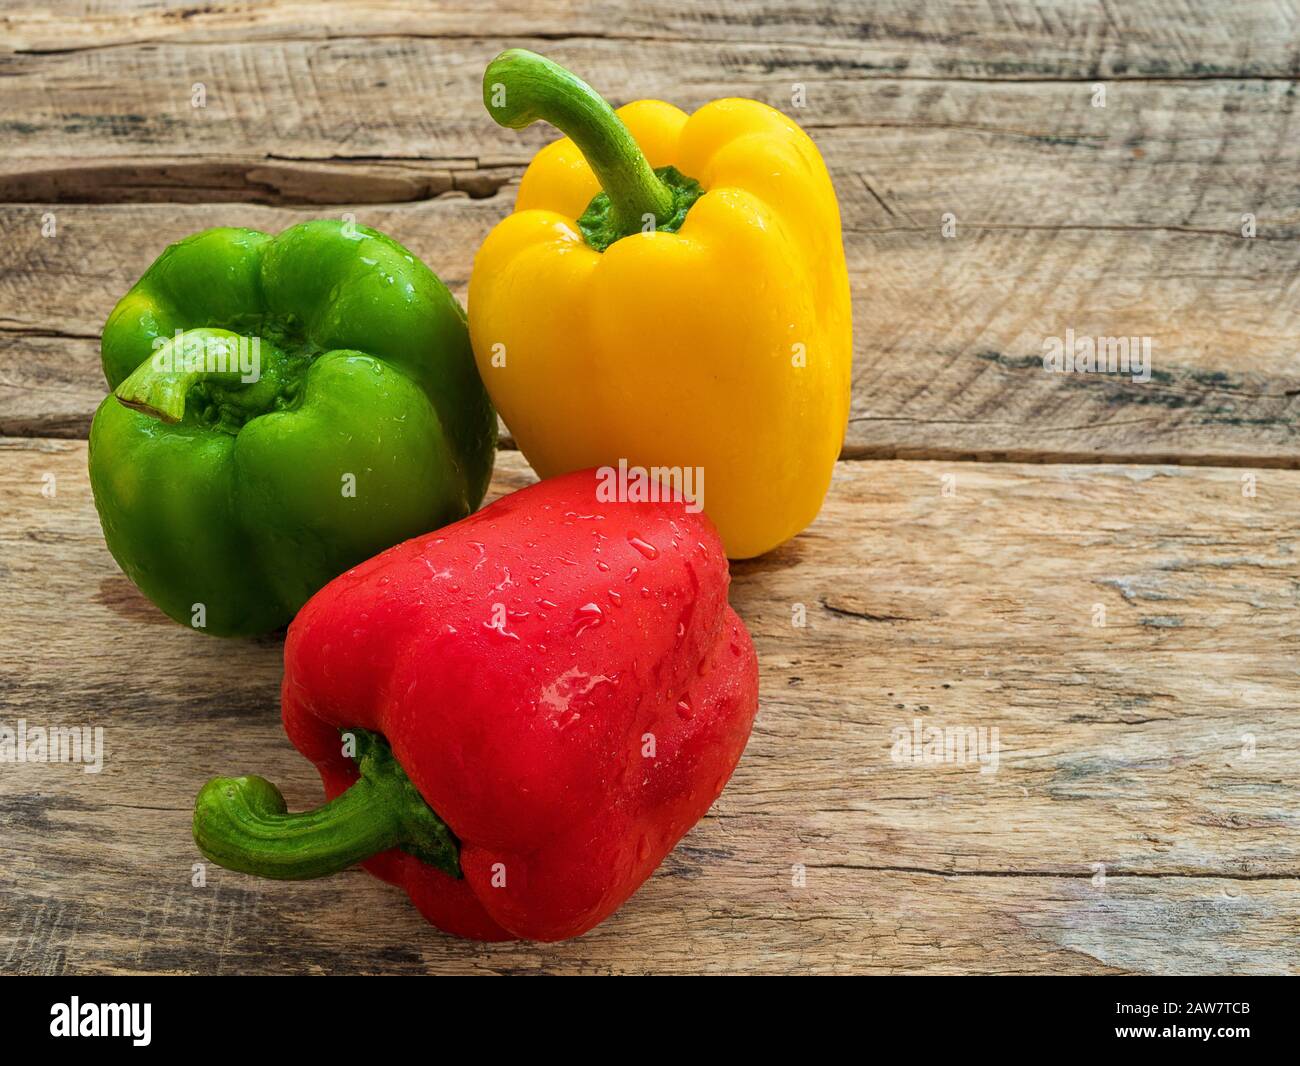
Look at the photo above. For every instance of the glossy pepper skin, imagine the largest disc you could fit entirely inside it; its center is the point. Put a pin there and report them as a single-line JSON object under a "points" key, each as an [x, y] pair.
{"points": [[564, 683], [721, 340], [367, 425]]}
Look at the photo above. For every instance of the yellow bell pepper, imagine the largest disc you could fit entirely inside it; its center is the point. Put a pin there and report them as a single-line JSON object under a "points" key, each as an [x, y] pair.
{"points": [[693, 317]]}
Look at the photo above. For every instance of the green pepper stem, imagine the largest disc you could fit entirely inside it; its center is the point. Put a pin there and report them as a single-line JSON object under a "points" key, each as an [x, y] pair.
{"points": [[159, 385], [242, 823], [520, 87]]}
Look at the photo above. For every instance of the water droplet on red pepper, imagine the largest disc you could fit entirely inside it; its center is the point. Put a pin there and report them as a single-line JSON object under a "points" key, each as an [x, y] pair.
{"points": [[644, 547], [501, 629], [587, 616]]}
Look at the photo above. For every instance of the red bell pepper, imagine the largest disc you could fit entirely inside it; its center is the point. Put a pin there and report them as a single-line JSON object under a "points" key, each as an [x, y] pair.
{"points": [[516, 717]]}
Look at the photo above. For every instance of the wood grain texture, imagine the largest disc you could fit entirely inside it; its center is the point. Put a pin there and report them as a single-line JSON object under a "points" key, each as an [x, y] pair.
{"points": [[1117, 221], [1162, 745], [1142, 814], [949, 335], [1010, 40]]}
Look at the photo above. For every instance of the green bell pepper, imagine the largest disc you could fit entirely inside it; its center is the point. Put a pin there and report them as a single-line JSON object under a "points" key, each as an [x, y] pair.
{"points": [[282, 409]]}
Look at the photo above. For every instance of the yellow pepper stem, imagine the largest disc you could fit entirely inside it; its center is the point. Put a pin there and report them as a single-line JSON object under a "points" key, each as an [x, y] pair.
{"points": [[521, 87]]}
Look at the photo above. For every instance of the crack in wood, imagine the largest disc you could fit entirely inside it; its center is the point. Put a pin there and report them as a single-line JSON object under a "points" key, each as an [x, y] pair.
{"points": [[854, 69], [1081, 875], [277, 181], [868, 452], [866, 616]]}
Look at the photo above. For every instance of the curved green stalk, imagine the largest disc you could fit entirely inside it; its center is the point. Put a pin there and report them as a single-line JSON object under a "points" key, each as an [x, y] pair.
{"points": [[242, 823], [158, 386], [521, 87]]}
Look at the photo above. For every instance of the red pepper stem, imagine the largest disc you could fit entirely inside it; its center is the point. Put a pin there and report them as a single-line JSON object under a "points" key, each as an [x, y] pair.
{"points": [[521, 87], [242, 823]]}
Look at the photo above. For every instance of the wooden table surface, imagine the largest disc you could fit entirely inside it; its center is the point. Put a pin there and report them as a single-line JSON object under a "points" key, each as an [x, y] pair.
{"points": [[1106, 572]]}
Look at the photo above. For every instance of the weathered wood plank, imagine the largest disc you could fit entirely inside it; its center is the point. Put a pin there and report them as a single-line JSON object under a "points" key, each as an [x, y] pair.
{"points": [[949, 334], [280, 124], [1162, 745], [1013, 39], [1116, 221]]}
